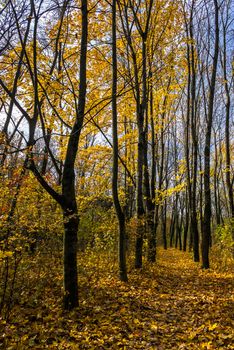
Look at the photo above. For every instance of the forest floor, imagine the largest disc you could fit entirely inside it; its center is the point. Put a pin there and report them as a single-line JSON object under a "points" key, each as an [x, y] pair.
{"points": [[173, 304]]}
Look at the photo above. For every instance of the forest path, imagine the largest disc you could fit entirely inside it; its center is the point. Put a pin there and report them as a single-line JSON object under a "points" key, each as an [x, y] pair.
{"points": [[172, 304], [198, 305]]}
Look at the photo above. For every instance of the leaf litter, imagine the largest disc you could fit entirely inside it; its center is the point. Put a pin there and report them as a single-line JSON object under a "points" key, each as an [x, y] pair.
{"points": [[172, 304]]}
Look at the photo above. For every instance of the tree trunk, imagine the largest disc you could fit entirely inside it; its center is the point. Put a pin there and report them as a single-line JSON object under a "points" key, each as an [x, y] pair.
{"points": [[206, 234], [191, 123], [139, 206], [227, 130], [118, 209], [71, 220], [172, 225], [186, 224], [164, 224]]}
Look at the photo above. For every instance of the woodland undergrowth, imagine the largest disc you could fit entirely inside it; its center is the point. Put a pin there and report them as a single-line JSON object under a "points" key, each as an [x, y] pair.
{"points": [[173, 304]]}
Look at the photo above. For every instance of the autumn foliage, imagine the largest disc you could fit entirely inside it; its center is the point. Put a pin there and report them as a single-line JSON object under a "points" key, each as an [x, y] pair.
{"points": [[116, 174]]}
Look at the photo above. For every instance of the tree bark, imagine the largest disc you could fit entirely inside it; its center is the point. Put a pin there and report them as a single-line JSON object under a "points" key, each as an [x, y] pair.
{"points": [[115, 194], [71, 220], [191, 125], [227, 130], [206, 234]]}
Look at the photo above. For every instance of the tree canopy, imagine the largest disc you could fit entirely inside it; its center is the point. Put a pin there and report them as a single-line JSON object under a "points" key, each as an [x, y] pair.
{"points": [[116, 140]]}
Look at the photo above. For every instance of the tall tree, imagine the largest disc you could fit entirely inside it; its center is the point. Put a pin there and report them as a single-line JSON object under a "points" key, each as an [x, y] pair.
{"points": [[118, 209], [191, 129], [226, 22], [206, 232], [66, 199]]}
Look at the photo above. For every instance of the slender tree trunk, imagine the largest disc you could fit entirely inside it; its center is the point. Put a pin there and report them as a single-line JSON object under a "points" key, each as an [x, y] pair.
{"points": [[201, 195], [227, 131], [172, 226], [206, 234], [71, 219], [71, 222], [176, 231], [191, 124], [139, 202], [151, 191], [118, 209], [186, 224], [216, 189], [164, 224], [142, 155]]}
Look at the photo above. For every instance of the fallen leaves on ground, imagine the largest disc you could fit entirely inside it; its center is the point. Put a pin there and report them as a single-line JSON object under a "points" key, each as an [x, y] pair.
{"points": [[172, 304]]}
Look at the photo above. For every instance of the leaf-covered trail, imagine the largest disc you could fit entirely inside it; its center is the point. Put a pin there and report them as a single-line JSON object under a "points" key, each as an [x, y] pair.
{"points": [[196, 306], [176, 305], [172, 304]]}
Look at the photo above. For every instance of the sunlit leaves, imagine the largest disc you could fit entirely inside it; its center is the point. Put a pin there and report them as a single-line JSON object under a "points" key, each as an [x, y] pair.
{"points": [[164, 306]]}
